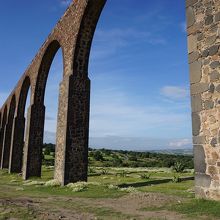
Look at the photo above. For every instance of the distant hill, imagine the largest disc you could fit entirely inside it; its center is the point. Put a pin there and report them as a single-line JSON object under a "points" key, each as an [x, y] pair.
{"points": [[174, 151]]}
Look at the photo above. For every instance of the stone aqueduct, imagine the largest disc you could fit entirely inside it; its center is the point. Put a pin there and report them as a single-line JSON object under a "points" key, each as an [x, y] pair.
{"points": [[74, 33]]}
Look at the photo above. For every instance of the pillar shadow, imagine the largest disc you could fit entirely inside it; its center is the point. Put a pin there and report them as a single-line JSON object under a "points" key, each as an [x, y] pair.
{"points": [[152, 182]]}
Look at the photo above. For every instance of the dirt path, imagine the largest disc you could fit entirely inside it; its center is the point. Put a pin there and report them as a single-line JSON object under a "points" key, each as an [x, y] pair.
{"points": [[127, 207], [134, 203]]}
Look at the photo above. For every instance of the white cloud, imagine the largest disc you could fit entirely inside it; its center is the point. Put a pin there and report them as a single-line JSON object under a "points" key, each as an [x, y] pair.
{"points": [[49, 118], [65, 2], [183, 27], [114, 113], [136, 143], [108, 42], [49, 137], [181, 143], [116, 122], [174, 92], [129, 143]]}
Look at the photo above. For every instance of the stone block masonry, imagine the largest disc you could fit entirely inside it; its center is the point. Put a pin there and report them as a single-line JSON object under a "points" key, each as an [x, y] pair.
{"points": [[203, 28]]}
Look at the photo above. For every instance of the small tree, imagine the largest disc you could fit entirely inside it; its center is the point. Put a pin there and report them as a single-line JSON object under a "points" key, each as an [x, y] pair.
{"points": [[47, 151], [98, 156], [179, 167]]}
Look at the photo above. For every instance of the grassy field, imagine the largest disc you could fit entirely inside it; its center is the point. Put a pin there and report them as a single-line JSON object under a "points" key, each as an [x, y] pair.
{"points": [[111, 193]]}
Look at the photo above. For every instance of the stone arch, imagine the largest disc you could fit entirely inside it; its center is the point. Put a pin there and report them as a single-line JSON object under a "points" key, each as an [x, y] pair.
{"points": [[85, 36], [71, 163], [26, 85], [36, 115], [17, 143], [43, 72], [8, 133], [2, 134]]}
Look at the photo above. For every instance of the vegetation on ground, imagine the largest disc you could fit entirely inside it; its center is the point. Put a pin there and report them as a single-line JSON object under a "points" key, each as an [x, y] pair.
{"points": [[115, 192], [120, 158]]}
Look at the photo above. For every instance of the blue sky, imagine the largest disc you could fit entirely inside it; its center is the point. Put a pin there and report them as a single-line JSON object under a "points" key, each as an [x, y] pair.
{"points": [[138, 68]]}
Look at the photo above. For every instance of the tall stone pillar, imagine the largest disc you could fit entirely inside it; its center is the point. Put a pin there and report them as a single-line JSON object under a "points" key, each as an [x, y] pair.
{"points": [[34, 141], [6, 145], [71, 162], [203, 28], [17, 145]]}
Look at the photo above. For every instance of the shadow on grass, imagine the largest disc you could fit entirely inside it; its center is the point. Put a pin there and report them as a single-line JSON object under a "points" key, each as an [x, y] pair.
{"points": [[152, 182]]}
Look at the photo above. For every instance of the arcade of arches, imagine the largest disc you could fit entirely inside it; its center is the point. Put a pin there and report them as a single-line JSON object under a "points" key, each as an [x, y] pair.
{"points": [[73, 34]]}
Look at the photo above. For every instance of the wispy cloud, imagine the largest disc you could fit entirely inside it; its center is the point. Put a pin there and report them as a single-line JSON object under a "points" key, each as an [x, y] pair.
{"points": [[181, 143], [130, 143], [183, 27], [174, 92], [49, 118], [65, 3], [108, 42], [112, 113]]}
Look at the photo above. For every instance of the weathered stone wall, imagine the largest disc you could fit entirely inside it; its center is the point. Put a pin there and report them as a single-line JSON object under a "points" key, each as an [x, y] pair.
{"points": [[203, 27]]}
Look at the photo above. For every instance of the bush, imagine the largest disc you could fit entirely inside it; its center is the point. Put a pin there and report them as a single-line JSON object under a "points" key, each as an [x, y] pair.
{"points": [[53, 183], [47, 151], [179, 167], [133, 158], [77, 187], [104, 172], [145, 176], [176, 179], [98, 156], [122, 174], [48, 162], [117, 162]]}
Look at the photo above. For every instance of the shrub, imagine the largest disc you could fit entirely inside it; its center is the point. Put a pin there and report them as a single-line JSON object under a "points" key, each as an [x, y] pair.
{"points": [[98, 156], [111, 186], [77, 187], [179, 167], [122, 174], [52, 183], [176, 178], [145, 176], [104, 172], [47, 151], [133, 158], [91, 170], [130, 189], [33, 183]]}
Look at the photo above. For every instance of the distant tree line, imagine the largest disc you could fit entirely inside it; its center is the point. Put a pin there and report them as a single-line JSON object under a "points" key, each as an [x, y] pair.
{"points": [[124, 158]]}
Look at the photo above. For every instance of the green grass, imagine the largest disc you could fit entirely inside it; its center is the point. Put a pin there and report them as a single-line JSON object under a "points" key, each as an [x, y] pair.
{"points": [[130, 177], [12, 186], [193, 208], [16, 212], [182, 189], [198, 207]]}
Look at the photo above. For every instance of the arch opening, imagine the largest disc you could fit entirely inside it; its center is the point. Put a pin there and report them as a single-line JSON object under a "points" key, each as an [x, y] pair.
{"points": [[4, 120], [8, 134], [37, 115], [19, 128], [134, 105], [51, 97]]}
